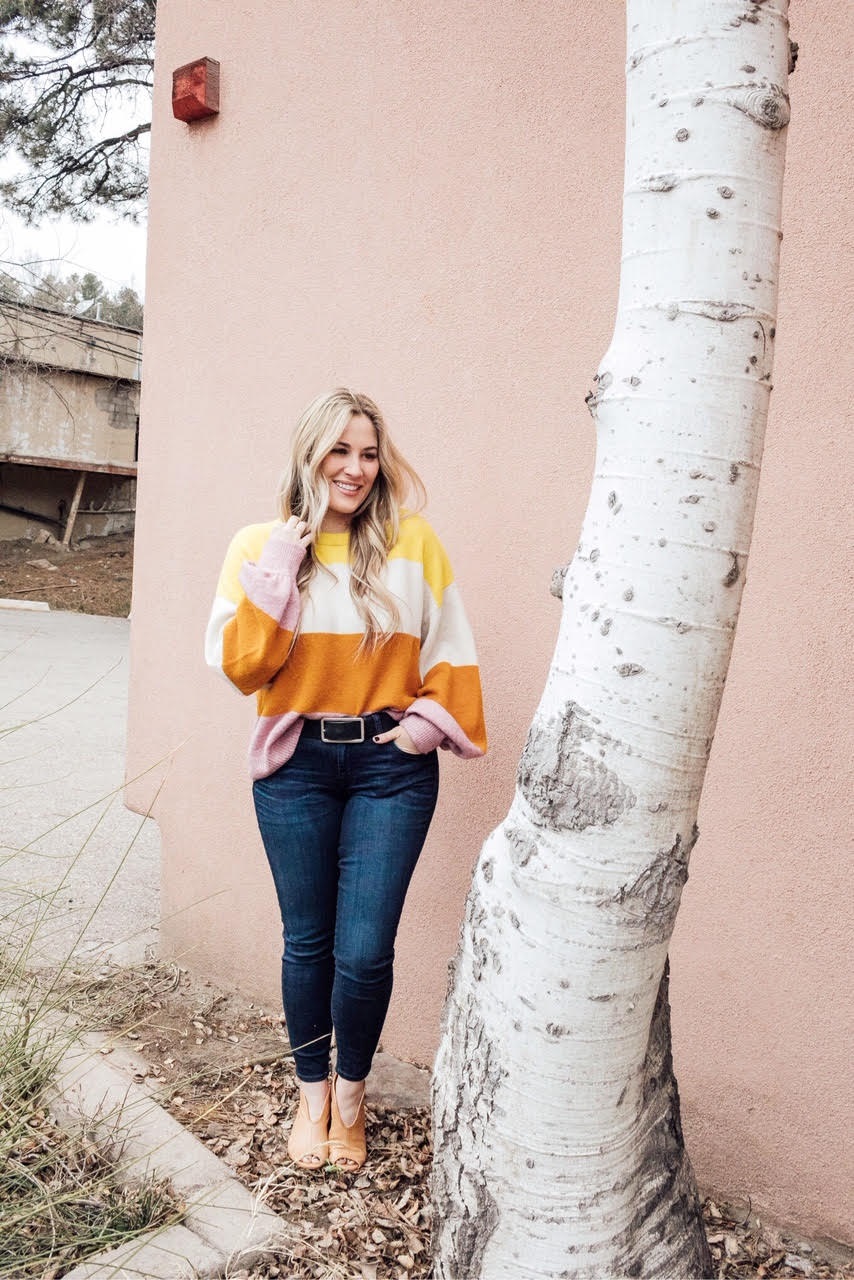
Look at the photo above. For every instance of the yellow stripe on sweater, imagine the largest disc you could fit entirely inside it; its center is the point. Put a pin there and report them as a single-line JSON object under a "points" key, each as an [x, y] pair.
{"points": [[417, 542]]}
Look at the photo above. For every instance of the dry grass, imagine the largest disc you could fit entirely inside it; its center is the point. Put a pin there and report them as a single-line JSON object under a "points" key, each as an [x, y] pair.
{"points": [[60, 1197]]}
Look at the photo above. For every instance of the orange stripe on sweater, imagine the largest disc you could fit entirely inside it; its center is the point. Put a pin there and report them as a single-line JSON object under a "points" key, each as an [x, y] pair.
{"points": [[325, 673], [254, 647]]}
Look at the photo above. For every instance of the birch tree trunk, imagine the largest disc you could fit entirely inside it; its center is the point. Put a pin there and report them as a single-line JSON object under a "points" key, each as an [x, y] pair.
{"points": [[558, 1141]]}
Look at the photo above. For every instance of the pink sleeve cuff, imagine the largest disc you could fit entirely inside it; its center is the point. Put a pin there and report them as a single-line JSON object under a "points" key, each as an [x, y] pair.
{"points": [[281, 555], [271, 583], [425, 735]]}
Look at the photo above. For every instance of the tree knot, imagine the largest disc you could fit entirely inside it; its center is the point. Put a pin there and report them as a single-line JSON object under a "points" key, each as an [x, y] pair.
{"points": [[767, 104]]}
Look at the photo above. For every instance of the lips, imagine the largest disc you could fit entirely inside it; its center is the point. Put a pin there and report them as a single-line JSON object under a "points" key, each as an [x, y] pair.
{"points": [[350, 490]]}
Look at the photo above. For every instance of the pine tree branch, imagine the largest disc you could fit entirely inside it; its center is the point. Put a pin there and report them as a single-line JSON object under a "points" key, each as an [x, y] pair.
{"points": [[36, 70], [52, 106]]}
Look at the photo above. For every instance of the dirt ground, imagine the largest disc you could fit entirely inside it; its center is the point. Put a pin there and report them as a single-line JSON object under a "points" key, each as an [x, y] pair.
{"points": [[91, 577], [221, 1066]]}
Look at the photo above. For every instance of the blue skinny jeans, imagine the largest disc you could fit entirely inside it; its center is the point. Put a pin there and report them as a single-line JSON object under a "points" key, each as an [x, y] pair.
{"points": [[342, 825]]}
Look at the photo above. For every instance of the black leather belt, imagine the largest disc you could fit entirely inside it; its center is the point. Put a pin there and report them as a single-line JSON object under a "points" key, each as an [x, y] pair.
{"points": [[348, 729]]}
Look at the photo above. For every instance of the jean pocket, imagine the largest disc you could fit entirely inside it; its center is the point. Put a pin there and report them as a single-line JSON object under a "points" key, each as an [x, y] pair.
{"points": [[404, 751]]}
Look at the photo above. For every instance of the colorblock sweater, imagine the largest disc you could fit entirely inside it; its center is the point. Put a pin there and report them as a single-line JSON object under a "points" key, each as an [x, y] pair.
{"points": [[425, 675]]}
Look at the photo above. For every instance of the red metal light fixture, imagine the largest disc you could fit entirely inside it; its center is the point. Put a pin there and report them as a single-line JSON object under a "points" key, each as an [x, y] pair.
{"points": [[195, 90]]}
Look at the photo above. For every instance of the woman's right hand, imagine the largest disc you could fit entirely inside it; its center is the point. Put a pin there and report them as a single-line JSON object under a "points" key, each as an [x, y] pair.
{"points": [[294, 530]]}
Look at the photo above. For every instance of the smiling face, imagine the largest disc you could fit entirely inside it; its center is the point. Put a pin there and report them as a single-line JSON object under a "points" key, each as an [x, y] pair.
{"points": [[350, 469]]}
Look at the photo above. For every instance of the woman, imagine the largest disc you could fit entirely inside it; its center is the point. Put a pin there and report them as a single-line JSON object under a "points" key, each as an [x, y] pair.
{"points": [[344, 619]]}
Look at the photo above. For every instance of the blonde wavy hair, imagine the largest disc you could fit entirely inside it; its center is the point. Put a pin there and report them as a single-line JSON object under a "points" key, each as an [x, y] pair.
{"points": [[375, 527]]}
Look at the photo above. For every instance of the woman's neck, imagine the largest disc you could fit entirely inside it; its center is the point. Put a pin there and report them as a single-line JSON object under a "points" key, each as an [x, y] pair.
{"points": [[334, 523]]}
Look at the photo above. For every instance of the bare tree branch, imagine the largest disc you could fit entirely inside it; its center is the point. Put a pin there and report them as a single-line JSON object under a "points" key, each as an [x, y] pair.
{"points": [[98, 53]]}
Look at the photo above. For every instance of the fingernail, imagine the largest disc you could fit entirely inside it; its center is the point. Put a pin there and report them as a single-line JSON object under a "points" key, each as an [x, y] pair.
{"points": [[376, 737]]}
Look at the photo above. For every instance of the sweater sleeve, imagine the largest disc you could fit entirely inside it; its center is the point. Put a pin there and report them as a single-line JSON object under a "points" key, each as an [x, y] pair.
{"points": [[448, 709], [256, 608]]}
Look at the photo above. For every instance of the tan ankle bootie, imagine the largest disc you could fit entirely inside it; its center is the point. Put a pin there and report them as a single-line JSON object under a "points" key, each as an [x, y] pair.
{"points": [[308, 1144], [347, 1146]]}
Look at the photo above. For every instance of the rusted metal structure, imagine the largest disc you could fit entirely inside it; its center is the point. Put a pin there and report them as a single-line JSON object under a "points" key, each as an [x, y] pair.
{"points": [[69, 423]]}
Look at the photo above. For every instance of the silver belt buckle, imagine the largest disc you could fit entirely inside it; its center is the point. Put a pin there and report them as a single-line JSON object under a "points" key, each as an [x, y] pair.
{"points": [[341, 720]]}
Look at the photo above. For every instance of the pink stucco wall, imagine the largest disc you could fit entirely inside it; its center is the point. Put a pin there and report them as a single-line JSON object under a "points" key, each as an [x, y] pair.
{"points": [[424, 202]]}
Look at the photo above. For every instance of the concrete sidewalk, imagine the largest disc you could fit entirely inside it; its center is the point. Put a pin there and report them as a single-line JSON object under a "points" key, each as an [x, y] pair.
{"points": [[77, 869]]}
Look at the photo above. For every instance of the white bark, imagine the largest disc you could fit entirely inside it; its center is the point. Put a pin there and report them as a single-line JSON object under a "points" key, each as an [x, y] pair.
{"points": [[558, 1143]]}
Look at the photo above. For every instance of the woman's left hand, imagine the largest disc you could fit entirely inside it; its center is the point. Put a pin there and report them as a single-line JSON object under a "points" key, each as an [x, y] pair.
{"points": [[400, 738]]}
